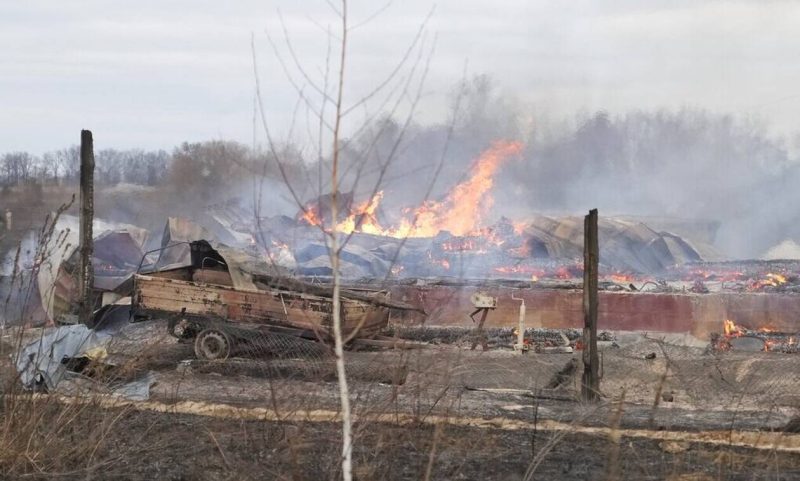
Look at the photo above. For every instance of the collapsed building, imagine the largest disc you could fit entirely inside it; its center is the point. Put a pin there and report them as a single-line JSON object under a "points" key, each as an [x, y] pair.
{"points": [[650, 279], [656, 273]]}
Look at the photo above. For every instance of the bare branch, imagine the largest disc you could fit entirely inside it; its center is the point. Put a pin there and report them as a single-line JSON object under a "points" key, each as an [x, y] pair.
{"points": [[373, 16], [270, 142], [405, 83], [325, 29], [397, 68], [294, 116], [440, 165], [333, 7], [399, 138], [297, 63], [291, 79]]}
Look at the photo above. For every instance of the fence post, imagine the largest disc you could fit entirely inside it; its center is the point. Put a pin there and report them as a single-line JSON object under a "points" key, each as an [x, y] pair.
{"points": [[85, 273], [590, 383]]}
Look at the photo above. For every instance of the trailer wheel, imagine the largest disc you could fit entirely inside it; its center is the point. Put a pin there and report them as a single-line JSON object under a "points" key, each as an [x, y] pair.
{"points": [[212, 345]]}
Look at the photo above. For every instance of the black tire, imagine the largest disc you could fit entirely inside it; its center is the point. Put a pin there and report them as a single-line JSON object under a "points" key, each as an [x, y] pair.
{"points": [[213, 345]]}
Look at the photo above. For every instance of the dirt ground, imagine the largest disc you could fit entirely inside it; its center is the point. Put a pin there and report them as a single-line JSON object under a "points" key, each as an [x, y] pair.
{"points": [[442, 412], [147, 446]]}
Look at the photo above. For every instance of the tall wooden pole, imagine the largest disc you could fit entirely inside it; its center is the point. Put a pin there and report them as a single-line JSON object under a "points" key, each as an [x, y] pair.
{"points": [[85, 272], [590, 385]]}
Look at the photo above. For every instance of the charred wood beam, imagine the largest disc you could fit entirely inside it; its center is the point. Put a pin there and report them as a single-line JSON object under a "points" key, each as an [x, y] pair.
{"points": [[286, 283], [590, 383], [85, 272]]}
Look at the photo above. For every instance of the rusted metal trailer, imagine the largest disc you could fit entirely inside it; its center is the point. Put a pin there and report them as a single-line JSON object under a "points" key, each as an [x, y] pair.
{"points": [[222, 298]]}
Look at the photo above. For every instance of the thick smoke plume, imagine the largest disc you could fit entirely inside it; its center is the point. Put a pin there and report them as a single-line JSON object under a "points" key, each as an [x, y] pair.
{"points": [[684, 164]]}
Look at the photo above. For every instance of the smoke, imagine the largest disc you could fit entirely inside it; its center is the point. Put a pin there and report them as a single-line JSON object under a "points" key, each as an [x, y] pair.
{"points": [[686, 164], [679, 164], [663, 164], [27, 251]]}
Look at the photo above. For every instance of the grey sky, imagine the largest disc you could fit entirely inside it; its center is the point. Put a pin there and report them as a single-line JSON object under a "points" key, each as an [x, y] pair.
{"points": [[152, 74]]}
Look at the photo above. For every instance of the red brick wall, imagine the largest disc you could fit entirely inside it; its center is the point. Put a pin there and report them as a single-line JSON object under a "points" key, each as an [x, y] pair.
{"points": [[699, 314]]}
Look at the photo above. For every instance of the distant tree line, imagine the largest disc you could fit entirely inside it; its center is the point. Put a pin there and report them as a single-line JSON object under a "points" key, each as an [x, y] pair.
{"points": [[134, 166], [205, 165]]}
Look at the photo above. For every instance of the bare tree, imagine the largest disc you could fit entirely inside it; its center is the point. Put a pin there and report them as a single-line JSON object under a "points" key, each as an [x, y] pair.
{"points": [[17, 167], [327, 107]]}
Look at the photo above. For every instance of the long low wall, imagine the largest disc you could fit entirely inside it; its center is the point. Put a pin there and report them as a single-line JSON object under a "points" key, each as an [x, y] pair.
{"points": [[699, 314]]}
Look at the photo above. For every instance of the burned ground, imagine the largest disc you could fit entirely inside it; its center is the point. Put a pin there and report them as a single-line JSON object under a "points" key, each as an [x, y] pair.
{"points": [[460, 414], [147, 445]]}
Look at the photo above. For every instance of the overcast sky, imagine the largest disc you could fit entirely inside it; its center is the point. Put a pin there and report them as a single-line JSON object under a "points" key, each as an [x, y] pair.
{"points": [[152, 74]]}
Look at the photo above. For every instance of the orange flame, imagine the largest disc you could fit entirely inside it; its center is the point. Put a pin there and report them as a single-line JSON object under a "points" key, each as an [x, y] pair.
{"points": [[362, 217], [520, 226], [730, 328], [770, 280], [461, 212], [310, 215], [621, 278]]}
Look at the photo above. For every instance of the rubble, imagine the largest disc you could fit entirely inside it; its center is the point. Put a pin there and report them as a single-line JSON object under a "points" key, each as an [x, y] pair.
{"points": [[740, 338], [117, 255], [62, 358], [539, 339], [542, 252]]}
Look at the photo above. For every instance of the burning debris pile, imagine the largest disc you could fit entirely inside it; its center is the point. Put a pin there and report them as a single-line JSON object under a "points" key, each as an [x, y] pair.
{"points": [[451, 237], [741, 338], [780, 276]]}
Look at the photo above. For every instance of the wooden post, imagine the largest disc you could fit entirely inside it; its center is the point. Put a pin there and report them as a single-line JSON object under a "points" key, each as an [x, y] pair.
{"points": [[479, 334], [590, 384], [86, 245]]}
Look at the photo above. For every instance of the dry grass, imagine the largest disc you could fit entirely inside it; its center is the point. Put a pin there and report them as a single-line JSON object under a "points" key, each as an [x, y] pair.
{"points": [[93, 437], [90, 435]]}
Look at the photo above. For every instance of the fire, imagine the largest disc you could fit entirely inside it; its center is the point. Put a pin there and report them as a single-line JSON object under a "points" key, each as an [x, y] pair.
{"points": [[773, 280], [444, 263], [491, 236], [520, 226], [362, 217], [461, 212], [563, 273], [311, 216], [277, 251], [724, 276], [730, 328], [621, 278], [777, 278], [773, 339], [769, 280]]}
